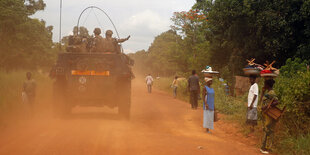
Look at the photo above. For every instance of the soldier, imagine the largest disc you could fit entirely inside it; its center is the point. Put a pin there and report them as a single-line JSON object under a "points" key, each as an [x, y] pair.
{"points": [[98, 41], [111, 44], [76, 43]]}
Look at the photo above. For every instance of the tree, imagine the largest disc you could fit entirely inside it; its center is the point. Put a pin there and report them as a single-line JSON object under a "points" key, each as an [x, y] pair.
{"points": [[266, 30], [224, 33], [192, 26], [25, 42], [164, 56]]}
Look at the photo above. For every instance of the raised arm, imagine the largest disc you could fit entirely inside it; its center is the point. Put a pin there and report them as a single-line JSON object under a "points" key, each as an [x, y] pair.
{"points": [[122, 40]]}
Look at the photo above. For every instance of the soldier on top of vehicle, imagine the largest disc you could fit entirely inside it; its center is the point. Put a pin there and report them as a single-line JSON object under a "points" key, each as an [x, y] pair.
{"points": [[98, 44], [111, 44], [77, 43]]}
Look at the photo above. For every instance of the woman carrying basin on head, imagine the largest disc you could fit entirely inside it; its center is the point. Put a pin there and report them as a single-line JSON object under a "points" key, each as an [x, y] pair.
{"points": [[208, 105]]}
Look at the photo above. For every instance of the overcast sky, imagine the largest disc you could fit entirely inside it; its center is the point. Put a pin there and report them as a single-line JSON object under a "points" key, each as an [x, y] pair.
{"points": [[142, 19]]}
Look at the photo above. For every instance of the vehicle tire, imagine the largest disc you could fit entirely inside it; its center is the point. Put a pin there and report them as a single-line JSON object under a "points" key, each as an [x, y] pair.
{"points": [[60, 105], [124, 104]]}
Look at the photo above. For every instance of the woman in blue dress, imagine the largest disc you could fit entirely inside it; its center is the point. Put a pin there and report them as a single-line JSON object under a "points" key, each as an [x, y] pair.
{"points": [[208, 105]]}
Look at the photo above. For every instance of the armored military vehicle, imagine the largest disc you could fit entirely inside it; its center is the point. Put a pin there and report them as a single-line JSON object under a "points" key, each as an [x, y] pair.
{"points": [[92, 79]]}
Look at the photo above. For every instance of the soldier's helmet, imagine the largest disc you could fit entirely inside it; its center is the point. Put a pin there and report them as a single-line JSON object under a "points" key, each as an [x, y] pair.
{"points": [[109, 32], [97, 31]]}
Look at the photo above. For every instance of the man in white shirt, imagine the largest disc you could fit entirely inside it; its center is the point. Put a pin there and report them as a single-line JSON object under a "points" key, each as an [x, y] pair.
{"points": [[149, 83], [252, 103]]}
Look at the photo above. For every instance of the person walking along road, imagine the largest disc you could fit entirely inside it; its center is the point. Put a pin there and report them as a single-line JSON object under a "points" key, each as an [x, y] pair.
{"points": [[149, 82], [208, 105], [175, 86], [194, 89], [29, 92]]}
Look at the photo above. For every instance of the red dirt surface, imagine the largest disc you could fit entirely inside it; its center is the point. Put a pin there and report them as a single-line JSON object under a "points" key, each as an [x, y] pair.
{"points": [[159, 124]]}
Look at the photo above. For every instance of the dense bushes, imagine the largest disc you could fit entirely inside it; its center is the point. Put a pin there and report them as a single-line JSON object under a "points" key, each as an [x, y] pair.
{"points": [[293, 89], [227, 104], [294, 145]]}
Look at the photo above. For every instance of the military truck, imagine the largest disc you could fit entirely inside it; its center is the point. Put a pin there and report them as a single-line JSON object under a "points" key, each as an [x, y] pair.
{"points": [[92, 79], [87, 78]]}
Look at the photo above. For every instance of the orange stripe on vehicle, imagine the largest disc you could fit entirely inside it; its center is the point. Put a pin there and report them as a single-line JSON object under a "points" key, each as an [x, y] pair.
{"points": [[77, 72]]}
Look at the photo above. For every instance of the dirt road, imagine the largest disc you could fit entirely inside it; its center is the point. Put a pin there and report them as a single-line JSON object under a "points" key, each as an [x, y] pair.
{"points": [[159, 125]]}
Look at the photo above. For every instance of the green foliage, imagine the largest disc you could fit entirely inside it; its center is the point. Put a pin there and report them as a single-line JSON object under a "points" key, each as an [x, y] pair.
{"points": [[164, 84], [25, 42], [293, 67], [224, 33], [227, 104], [295, 145], [162, 57], [231, 32], [293, 136], [293, 90], [265, 30]]}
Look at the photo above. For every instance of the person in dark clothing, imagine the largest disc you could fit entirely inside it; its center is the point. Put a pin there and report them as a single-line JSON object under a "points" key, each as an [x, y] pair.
{"points": [[194, 89]]}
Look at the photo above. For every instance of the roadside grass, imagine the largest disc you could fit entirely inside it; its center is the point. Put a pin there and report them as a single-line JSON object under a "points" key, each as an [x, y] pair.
{"points": [[225, 104], [164, 84], [11, 88], [294, 145], [234, 109]]}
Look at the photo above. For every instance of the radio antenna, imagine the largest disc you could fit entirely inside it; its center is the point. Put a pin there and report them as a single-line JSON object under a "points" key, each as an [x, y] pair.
{"points": [[60, 15]]}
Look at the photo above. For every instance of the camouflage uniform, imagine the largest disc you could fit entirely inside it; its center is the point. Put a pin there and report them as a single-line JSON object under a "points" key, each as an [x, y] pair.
{"points": [[268, 122], [109, 45], [97, 44], [77, 44], [112, 44]]}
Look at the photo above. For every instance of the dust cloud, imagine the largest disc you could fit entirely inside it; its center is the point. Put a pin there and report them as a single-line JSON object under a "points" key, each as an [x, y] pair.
{"points": [[159, 124]]}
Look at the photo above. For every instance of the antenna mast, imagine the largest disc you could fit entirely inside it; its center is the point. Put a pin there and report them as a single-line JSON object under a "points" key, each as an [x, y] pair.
{"points": [[60, 15]]}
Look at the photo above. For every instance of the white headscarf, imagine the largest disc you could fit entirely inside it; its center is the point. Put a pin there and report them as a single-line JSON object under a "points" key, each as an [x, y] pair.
{"points": [[207, 79]]}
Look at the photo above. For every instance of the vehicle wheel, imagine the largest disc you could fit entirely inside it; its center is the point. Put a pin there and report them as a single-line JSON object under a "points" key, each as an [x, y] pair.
{"points": [[125, 101], [60, 105]]}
